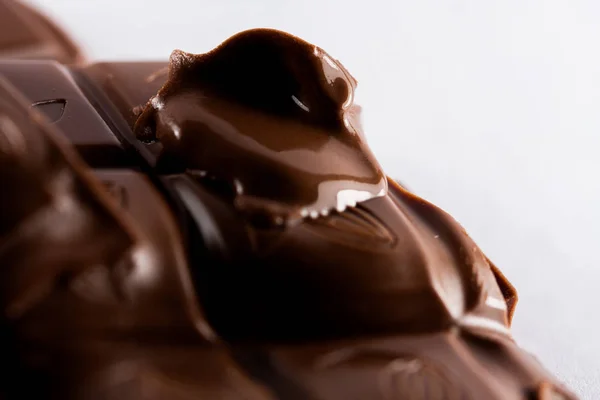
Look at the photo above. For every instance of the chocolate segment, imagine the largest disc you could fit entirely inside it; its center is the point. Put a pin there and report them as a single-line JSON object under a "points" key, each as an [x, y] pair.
{"points": [[129, 86], [28, 35], [119, 92], [99, 302], [51, 89]]}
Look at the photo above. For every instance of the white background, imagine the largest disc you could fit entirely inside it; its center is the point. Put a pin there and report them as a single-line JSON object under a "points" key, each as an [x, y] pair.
{"points": [[488, 108]]}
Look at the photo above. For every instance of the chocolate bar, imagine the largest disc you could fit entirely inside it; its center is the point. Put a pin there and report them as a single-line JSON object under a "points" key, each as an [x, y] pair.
{"points": [[215, 227], [51, 88]]}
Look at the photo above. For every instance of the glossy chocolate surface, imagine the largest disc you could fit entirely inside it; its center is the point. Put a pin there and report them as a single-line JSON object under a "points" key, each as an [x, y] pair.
{"points": [[244, 244], [271, 116]]}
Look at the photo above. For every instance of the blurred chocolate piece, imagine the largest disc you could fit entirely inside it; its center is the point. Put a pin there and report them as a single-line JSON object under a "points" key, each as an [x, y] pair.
{"points": [[51, 89], [120, 91], [93, 292], [28, 35], [438, 366]]}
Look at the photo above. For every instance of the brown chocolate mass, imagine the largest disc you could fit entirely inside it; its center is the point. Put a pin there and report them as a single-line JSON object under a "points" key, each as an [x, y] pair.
{"points": [[269, 114], [215, 227]]}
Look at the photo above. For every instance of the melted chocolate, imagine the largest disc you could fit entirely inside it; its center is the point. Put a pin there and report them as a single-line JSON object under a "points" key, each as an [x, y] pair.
{"points": [[254, 251], [270, 115]]}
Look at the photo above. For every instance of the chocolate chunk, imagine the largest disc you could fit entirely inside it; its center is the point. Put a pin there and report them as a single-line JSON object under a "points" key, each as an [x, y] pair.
{"points": [[52, 90], [119, 92], [26, 34], [128, 85], [439, 366]]}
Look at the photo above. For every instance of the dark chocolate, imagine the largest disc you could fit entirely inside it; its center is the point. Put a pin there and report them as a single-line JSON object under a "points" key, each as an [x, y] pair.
{"points": [[273, 116], [51, 89], [97, 288], [219, 229], [119, 91], [128, 85], [27, 34]]}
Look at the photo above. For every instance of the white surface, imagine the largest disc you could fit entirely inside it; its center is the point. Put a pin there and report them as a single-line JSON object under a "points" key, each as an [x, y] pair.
{"points": [[490, 109]]}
